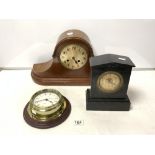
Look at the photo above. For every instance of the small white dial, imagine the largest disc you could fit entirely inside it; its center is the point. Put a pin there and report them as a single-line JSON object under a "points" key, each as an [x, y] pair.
{"points": [[46, 108], [46, 100]]}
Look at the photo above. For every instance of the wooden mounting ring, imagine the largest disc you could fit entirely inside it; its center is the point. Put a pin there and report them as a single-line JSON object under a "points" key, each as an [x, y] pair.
{"points": [[47, 124]]}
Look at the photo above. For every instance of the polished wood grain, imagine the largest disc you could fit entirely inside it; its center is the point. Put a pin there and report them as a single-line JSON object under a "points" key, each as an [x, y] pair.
{"points": [[54, 73]]}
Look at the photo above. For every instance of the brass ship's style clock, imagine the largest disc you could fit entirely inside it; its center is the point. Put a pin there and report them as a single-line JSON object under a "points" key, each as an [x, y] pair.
{"points": [[109, 83], [47, 108], [70, 63]]}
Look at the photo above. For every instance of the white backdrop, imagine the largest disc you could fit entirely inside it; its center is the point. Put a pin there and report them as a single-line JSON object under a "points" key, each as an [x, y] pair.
{"points": [[25, 42]]}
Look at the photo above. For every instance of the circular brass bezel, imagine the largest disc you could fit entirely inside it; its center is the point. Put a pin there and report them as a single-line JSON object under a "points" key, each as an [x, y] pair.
{"points": [[47, 113], [110, 91], [47, 117]]}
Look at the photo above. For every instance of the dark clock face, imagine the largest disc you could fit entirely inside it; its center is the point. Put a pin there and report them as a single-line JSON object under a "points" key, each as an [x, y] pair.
{"points": [[110, 82], [73, 56]]}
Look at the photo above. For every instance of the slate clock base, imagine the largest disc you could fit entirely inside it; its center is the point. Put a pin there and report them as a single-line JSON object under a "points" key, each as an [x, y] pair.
{"points": [[107, 104]]}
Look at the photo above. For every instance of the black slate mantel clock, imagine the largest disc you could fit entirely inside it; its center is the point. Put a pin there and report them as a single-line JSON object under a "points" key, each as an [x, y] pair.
{"points": [[110, 75]]}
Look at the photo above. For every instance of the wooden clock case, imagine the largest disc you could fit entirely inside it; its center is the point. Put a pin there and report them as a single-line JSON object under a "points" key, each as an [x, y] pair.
{"points": [[54, 73], [99, 100]]}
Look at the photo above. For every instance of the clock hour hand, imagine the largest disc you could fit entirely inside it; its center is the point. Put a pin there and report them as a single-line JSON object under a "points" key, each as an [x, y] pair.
{"points": [[42, 100], [49, 100], [74, 60]]}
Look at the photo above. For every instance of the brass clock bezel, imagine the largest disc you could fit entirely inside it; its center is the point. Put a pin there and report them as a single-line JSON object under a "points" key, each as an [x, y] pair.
{"points": [[52, 116], [110, 91], [46, 91]]}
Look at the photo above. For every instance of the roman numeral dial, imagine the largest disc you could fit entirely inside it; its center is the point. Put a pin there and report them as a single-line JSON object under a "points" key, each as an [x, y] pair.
{"points": [[73, 56]]}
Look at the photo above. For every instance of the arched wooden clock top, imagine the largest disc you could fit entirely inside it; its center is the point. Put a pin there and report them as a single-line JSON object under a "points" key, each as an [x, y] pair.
{"points": [[70, 62]]}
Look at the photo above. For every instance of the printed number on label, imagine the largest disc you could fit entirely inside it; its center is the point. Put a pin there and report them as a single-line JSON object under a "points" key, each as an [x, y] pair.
{"points": [[79, 122]]}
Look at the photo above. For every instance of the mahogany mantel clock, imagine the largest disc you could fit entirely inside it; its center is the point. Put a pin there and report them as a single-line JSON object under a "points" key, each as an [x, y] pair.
{"points": [[109, 83], [70, 63]]}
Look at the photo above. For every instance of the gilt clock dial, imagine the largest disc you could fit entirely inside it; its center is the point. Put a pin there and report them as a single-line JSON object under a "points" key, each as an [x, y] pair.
{"points": [[110, 81], [73, 56]]}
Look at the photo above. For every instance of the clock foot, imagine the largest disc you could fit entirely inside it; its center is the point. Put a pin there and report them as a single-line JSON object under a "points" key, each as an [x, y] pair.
{"points": [[107, 104]]}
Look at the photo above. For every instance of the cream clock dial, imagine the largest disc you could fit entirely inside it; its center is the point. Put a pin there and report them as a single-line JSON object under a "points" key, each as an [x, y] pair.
{"points": [[110, 81], [73, 56], [45, 103]]}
